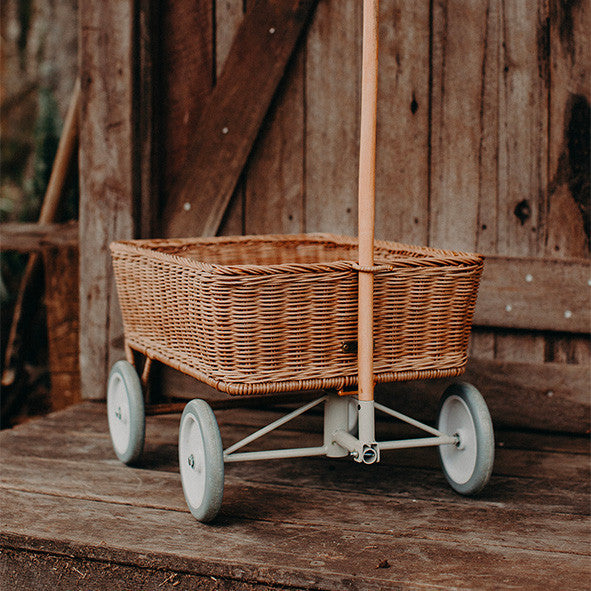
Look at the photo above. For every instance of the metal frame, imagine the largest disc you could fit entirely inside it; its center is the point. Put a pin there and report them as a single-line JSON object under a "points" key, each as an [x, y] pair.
{"points": [[338, 440]]}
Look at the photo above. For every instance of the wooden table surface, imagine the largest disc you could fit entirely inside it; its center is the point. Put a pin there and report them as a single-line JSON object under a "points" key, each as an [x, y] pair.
{"points": [[73, 517]]}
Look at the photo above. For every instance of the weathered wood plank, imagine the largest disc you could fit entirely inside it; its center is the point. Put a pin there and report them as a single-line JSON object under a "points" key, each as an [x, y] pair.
{"points": [[523, 148], [228, 16], [357, 511], [400, 472], [533, 293], [107, 184], [569, 169], [462, 179], [544, 396], [274, 181], [274, 190], [569, 48], [233, 113], [488, 142], [333, 67], [34, 237], [148, 152], [91, 418], [557, 463], [186, 72], [402, 162], [63, 326], [72, 529], [523, 129]]}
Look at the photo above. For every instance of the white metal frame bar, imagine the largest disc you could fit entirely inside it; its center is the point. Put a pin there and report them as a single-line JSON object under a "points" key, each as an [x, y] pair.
{"points": [[405, 419], [275, 454], [230, 456], [360, 449], [420, 442]]}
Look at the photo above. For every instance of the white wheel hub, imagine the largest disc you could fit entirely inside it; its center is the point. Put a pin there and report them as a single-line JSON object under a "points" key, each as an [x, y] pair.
{"points": [[119, 413], [460, 459], [192, 464]]}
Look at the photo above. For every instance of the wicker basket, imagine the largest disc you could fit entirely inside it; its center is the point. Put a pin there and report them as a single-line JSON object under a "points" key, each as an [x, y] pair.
{"points": [[266, 314]]}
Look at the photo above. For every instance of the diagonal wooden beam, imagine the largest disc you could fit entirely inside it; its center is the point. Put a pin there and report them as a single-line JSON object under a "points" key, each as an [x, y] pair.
{"points": [[233, 113]]}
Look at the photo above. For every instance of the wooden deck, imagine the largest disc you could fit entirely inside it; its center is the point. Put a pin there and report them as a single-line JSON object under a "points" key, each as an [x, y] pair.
{"points": [[73, 517]]}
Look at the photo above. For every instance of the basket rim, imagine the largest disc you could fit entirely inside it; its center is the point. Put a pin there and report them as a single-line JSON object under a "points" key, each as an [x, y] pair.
{"points": [[425, 256]]}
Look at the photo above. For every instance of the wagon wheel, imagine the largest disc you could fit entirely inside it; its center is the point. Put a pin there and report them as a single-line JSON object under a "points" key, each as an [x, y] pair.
{"points": [[125, 411], [201, 460], [468, 464]]}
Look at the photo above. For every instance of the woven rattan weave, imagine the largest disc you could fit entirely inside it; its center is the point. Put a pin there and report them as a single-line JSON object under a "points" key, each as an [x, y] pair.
{"points": [[276, 313]]}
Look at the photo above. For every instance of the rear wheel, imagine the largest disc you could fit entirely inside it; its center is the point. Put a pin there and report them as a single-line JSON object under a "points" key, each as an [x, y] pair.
{"points": [[125, 411], [468, 464], [201, 460]]}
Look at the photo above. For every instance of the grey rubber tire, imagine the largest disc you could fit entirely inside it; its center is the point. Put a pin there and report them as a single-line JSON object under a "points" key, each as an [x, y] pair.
{"points": [[125, 411], [201, 460], [468, 465]]}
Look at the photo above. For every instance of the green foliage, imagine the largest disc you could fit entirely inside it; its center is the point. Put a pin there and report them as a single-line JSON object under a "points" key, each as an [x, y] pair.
{"points": [[47, 130]]}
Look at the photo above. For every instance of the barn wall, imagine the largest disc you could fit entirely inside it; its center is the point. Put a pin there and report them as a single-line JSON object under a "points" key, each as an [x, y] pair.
{"points": [[483, 140]]}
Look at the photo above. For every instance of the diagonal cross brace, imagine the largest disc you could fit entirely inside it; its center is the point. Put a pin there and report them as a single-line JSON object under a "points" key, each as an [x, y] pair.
{"points": [[232, 115]]}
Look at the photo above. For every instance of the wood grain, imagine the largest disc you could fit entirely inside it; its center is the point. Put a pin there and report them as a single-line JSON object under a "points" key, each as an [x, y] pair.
{"points": [[333, 77], [534, 293], [186, 76], [107, 184], [461, 183], [568, 216], [275, 181], [296, 524], [228, 17], [402, 175], [523, 129], [233, 114], [569, 50], [33, 237], [148, 152], [72, 529], [545, 396], [63, 324], [443, 521], [523, 145]]}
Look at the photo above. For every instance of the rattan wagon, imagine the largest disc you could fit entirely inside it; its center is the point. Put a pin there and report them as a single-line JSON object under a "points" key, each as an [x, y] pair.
{"points": [[260, 315]]}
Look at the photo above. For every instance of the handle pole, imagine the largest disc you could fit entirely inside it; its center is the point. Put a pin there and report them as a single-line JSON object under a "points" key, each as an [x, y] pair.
{"points": [[367, 174]]}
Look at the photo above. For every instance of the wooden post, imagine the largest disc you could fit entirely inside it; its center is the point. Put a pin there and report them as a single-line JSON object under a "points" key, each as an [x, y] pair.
{"points": [[108, 188], [61, 282], [367, 168]]}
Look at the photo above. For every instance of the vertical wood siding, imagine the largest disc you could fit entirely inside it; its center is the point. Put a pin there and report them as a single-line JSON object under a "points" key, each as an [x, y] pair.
{"points": [[483, 132]]}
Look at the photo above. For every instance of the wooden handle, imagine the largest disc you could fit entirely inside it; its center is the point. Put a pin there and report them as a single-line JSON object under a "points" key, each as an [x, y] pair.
{"points": [[367, 177], [63, 158], [367, 140]]}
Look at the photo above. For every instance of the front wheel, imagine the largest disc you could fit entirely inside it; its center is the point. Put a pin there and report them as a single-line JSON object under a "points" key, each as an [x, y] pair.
{"points": [[125, 411], [463, 414], [201, 460]]}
